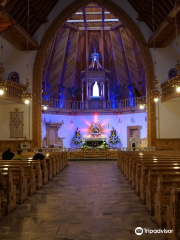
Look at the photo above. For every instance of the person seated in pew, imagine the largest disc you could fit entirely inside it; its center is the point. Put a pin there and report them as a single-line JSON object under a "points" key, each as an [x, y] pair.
{"points": [[18, 156], [2, 186], [39, 155], [7, 155]]}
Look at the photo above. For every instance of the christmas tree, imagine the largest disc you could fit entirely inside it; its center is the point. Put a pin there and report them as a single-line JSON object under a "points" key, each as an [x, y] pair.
{"points": [[77, 139], [113, 138]]}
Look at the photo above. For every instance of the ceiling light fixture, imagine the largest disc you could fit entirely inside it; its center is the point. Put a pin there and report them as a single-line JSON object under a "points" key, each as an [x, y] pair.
{"points": [[176, 80], [155, 93], [3, 84], [141, 102], [27, 96]]}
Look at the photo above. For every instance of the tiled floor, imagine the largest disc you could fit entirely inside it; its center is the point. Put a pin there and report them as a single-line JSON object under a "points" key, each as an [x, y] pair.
{"points": [[88, 200]]}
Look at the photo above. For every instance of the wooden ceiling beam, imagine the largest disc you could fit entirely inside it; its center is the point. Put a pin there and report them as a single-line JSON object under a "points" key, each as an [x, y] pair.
{"points": [[168, 6], [18, 37], [162, 8], [163, 28], [102, 18], [84, 17], [4, 2], [17, 10], [33, 27]]}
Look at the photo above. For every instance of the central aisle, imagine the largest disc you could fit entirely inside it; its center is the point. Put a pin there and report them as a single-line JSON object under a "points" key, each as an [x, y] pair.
{"points": [[88, 200]]}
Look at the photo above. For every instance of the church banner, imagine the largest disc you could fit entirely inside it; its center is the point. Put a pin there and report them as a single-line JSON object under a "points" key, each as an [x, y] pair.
{"points": [[16, 124]]}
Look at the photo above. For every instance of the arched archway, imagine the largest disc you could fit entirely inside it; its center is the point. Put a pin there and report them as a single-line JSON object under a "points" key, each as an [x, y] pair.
{"points": [[38, 65]]}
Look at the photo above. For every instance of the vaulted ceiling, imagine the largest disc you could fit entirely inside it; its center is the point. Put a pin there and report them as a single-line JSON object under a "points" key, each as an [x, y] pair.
{"points": [[13, 19], [69, 54]]}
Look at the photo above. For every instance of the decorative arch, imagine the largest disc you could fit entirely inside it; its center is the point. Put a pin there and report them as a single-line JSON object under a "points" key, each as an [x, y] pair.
{"points": [[38, 65]]}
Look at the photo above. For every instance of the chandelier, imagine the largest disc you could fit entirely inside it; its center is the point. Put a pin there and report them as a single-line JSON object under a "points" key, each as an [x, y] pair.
{"points": [[155, 94], [176, 80], [141, 102], [3, 84], [45, 102], [27, 96]]}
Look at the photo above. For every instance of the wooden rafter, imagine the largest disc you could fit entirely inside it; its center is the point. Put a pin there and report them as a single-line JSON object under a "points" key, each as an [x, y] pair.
{"points": [[165, 33], [102, 18], [84, 16]]}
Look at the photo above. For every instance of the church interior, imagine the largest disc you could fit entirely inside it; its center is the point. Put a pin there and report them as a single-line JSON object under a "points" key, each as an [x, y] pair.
{"points": [[92, 87]]}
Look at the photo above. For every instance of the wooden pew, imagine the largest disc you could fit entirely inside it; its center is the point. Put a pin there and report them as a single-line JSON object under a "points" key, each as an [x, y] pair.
{"points": [[19, 181], [30, 173], [162, 199], [29, 156], [124, 157], [9, 198], [0, 207], [151, 187], [144, 175], [173, 213], [134, 163], [142, 172]]}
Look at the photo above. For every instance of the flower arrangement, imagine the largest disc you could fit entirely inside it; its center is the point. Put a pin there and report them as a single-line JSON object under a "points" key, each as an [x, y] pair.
{"points": [[84, 144], [113, 138], [104, 144]]}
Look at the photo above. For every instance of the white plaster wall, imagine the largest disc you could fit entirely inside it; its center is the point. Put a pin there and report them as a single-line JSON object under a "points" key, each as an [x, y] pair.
{"points": [[15, 60], [67, 129], [5, 109]]}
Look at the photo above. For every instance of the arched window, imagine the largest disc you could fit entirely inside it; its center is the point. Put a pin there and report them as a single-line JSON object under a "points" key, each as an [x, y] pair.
{"points": [[14, 76]]}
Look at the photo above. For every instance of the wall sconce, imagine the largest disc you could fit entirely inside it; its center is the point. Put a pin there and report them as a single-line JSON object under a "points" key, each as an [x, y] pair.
{"points": [[71, 120], [120, 120], [132, 120]]}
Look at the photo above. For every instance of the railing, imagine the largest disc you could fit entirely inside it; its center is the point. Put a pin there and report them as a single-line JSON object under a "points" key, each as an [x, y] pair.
{"points": [[94, 152], [13, 92], [94, 104]]}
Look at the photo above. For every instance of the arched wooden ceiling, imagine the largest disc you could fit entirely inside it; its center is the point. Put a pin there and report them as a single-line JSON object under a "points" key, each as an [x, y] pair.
{"points": [[93, 17], [69, 54], [13, 19]]}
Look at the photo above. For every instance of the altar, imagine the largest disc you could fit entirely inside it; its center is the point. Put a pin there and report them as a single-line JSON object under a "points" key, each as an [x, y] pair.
{"points": [[94, 142], [95, 137]]}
